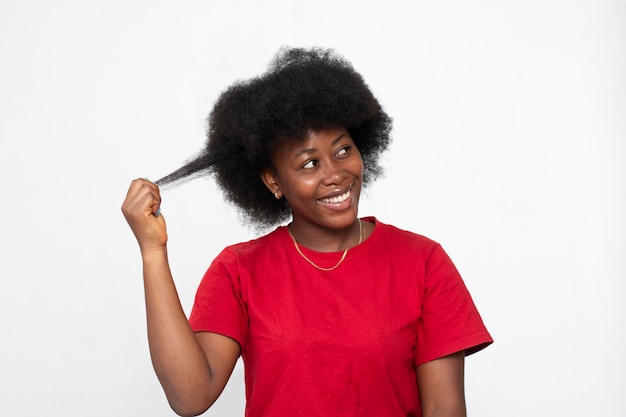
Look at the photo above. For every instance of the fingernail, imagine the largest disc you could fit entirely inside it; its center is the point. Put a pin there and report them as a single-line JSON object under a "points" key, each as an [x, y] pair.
{"points": [[158, 212]]}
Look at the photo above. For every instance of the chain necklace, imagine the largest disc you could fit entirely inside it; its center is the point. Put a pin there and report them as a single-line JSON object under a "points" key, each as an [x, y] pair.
{"points": [[345, 252]]}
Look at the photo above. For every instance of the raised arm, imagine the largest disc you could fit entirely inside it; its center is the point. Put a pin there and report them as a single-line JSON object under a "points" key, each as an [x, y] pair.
{"points": [[192, 368]]}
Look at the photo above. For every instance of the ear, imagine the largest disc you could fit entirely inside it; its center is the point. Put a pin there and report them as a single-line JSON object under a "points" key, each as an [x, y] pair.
{"points": [[271, 182]]}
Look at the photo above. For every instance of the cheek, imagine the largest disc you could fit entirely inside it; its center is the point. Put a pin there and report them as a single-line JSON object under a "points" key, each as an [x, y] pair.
{"points": [[309, 186], [301, 189], [358, 167]]}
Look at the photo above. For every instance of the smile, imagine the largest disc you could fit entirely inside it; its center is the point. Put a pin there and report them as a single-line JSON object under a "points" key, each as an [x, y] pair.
{"points": [[337, 199]]}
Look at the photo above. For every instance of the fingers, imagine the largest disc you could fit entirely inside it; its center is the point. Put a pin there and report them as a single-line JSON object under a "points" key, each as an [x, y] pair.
{"points": [[143, 197], [142, 208]]}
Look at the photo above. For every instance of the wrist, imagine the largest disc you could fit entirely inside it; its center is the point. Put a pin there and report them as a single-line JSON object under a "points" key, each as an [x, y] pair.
{"points": [[151, 253]]}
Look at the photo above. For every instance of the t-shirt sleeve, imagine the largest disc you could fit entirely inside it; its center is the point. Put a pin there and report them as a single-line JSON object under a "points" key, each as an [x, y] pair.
{"points": [[450, 321], [218, 307]]}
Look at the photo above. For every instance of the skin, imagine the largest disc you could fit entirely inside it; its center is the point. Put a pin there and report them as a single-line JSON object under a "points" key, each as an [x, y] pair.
{"points": [[441, 386], [325, 164], [193, 368]]}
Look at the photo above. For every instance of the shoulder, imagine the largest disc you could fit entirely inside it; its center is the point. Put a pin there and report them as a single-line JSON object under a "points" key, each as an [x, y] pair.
{"points": [[234, 259], [396, 236], [256, 247]]}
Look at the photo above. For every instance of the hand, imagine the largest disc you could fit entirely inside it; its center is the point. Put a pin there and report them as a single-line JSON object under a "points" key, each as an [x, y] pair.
{"points": [[141, 210]]}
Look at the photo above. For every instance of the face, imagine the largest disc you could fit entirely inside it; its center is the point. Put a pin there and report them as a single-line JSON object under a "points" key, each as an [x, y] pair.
{"points": [[321, 178]]}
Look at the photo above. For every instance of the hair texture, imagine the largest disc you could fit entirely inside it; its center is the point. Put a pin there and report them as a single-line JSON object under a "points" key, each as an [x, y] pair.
{"points": [[302, 90]]}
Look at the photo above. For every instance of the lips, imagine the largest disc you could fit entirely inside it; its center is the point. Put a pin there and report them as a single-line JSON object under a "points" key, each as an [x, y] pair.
{"points": [[338, 198]]}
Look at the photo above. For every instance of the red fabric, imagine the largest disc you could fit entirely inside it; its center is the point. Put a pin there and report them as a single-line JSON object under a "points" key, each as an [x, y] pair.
{"points": [[344, 342]]}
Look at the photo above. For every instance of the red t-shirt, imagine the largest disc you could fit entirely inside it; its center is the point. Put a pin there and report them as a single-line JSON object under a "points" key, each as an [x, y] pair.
{"points": [[343, 342]]}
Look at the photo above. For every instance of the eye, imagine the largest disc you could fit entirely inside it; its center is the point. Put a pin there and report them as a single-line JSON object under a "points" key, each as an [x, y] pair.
{"points": [[312, 163], [343, 151]]}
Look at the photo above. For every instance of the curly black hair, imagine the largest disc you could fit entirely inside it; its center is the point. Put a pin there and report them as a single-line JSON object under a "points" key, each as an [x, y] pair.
{"points": [[302, 90]]}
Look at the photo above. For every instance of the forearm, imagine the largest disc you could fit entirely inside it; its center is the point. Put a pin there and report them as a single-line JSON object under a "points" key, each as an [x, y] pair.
{"points": [[178, 359]]}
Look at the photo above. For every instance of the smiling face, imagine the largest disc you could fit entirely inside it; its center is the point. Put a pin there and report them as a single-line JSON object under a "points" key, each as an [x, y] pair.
{"points": [[321, 177]]}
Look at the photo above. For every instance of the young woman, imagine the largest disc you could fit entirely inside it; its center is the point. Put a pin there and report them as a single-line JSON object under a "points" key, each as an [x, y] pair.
{"points": [[334, 315]]}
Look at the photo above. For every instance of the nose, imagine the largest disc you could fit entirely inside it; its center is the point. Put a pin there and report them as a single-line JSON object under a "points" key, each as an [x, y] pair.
{"points": [[333, 172]]}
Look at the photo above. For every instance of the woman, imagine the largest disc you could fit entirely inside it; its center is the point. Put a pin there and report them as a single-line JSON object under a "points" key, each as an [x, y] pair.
{"points": [[333, 315]]}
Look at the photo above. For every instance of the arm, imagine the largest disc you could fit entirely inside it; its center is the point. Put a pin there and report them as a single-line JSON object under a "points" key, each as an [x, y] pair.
{"points": [[192, 368], [441, 386]]}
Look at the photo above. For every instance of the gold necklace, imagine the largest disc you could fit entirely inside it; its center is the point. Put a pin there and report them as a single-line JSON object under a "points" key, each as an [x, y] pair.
{"points": [[345, 252]]}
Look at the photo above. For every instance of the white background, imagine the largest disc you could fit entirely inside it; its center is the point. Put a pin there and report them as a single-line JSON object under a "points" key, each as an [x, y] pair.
{"points": [[509, 149]]}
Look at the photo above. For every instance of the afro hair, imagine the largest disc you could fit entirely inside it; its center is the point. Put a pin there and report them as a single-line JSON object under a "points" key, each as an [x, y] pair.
{"points": [[302, 90]]}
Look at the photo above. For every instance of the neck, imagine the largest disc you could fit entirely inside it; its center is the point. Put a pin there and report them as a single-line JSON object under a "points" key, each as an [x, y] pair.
{"points": [[327, 239]]}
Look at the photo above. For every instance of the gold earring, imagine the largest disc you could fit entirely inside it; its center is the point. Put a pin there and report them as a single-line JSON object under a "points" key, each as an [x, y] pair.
{"points": [[277, 195]]}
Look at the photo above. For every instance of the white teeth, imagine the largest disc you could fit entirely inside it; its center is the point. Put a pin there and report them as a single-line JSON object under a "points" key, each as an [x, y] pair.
{"points": [[337, 199]]}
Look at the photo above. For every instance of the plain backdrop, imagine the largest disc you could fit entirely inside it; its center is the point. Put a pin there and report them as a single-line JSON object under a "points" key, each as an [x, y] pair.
{"points": [[509, 149]]}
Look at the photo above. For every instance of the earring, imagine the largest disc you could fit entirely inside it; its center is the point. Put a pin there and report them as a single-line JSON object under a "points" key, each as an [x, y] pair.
{"points": [[277, 195]]}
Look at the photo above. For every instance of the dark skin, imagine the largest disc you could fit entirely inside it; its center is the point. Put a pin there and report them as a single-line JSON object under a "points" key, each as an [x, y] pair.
{"points": [[441, 386], [321, 178], [193, 368]]}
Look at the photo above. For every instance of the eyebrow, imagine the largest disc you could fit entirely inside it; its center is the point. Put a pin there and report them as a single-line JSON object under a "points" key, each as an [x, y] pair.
{"points": [[312, 150]]}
